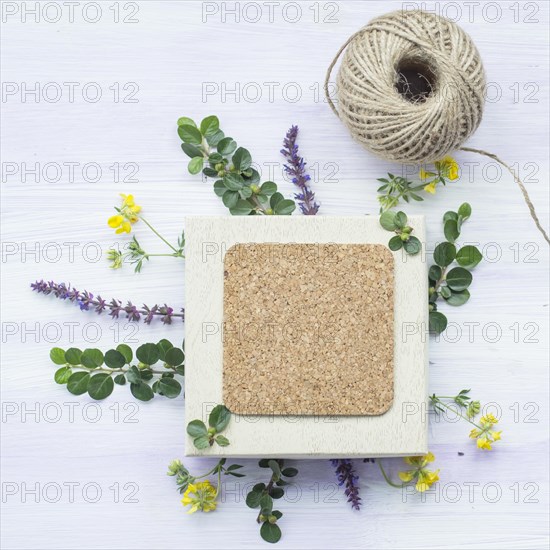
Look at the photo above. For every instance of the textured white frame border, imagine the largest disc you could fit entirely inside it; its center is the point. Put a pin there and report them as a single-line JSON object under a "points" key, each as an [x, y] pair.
{"points": [[401, 431]]}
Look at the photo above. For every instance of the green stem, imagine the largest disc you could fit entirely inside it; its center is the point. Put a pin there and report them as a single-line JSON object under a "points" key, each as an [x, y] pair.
{"points": [[158, 235], [388, 480], [437, 400], [174, 255]]}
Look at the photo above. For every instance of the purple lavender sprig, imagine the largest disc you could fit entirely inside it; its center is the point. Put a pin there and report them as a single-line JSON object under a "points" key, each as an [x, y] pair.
{"points": [[86, 301], [296, 169], [346, 476]]}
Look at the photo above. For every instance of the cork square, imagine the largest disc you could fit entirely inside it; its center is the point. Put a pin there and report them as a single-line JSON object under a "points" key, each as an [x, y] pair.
{"points": [[315, 322]]}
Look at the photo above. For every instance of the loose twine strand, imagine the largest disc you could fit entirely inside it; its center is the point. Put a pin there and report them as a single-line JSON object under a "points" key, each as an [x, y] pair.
{"points": [[420, 43]]}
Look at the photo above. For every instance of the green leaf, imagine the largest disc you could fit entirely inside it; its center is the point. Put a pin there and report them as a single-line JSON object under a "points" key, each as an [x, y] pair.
{"points": [[444, 254], [253, 499], [245, 192], [274, 465], [434, 274], [285, 207], [134, 375], [215, 138], [77, 383], [142, 391], [146, 374], [412, 246], [222, 441], [387, 221], [148, 354], [219, 418], [191, 150], [73, 356], [400, 220], [195, 165], [252, 176], [275, 199], [126, 352], [62, 375], [241, 159], [92, 358], [451, 230], [163, 346], [233, 182], [268, 188], [277, 514], [458, 298], [276, 492], [226, 146], [120, 379], [438, 322], [445, 292], [174, 357], [209, 172], [270, 532], [190, 134], [465, 210], [210, 125], [180, 370], [395, 243], [219, 188], [114, 359], [450, 215], [230, 199], [169, 387], [290, 472], [242, 208], [100, 386], [202, 442], [186, 121], [468, 256], [57, 355], [266, 504], [196, 428], [459, 279]]}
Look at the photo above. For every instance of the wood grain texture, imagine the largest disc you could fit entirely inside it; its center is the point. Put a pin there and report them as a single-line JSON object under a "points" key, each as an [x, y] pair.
{"points": [[497, 344]]}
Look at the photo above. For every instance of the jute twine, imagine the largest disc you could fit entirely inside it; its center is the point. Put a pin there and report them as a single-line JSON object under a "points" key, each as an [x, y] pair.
{"points": [[417, 125]]}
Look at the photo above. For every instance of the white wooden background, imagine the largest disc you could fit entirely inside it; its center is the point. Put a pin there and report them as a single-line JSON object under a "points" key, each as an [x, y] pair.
{"points": [[484, 500]]}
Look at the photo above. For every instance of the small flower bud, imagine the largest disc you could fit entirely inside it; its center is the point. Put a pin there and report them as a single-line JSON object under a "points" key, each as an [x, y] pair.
{"points": [[262, 517], [211, 431], [272, 519], [255, 189], [269, 212]]}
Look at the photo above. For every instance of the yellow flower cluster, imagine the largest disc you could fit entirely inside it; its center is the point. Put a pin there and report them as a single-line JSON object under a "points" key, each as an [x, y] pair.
{"points": [[127, 215], [424, 478], [485, 436], [446, 169], [201, 496]]}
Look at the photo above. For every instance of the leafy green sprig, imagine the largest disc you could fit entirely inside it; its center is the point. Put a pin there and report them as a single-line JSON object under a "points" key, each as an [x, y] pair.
{"points": [[97, 373], [462, 399], [397, 222], [261, 496], [184, 477], [395, 188], [451, 285], [237, 183], [136, 255], [204, 437]]}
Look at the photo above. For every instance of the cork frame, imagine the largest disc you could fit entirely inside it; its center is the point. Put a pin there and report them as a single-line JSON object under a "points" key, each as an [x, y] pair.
{"points": [[400, 431]]}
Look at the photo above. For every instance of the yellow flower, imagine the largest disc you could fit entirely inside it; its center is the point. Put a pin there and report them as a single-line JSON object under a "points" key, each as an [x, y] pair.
{"points": [[485, 435], [488, 419], [496, 435], [449, 168], [201, 496], [430, 188], [424, 478], [484, 443], [127, 215], [424, 175]]}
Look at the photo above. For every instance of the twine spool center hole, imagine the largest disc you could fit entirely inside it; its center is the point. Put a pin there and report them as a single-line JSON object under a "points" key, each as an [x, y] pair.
{"points": [[416, 80]]}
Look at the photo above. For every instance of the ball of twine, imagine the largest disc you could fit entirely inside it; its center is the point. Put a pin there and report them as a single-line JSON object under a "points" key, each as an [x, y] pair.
{"points": [[410, 86]]}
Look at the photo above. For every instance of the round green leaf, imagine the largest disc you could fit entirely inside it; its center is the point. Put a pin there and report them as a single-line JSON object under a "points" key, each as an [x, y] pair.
{"points": [[146, 374], [412, 246], [196, 428], [242, 208], [215, 138], [186, 121], [163, 346], [100, 386], [245, 192], [142, 391], [387, 221], [210, 125], [434, 273], [465, 210], [233, 182], [459, 279], [400, 220], [202, 442], [451, 230], [190, 134], [219, 188], [126, 351], [268, 188], [445, 292], [241, 159], [62, 375], [226, 146], [73, 356], [92, 358], [275, 468], [222, 441], [219, 418], [458, 298], [174, 357], [270, 532], [114, 359], [134, 375], [450, 216], [444, 254], [468, 256], [190, 150], [276, 492], [169, 387], [120, 379], [290, 472], [266, 504], [395, 243], [230, 199], [275, 199], [57, 355], [195, 165], [77, 383], [148, 354], [438, 322], [253, 499], [285, 207]]}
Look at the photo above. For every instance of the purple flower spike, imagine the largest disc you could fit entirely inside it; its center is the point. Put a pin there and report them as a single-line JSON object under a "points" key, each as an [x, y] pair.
{"points": [[347, 477]]}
